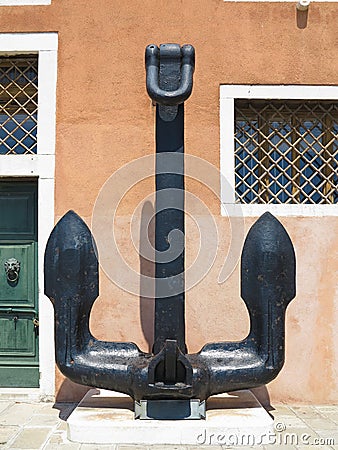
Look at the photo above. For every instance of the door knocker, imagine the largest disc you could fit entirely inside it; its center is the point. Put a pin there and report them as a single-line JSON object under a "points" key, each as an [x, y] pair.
{"points": [[12, 269]]}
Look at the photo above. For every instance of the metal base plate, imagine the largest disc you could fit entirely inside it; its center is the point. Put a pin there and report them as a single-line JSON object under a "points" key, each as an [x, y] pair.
{"points": [[170, 409]]}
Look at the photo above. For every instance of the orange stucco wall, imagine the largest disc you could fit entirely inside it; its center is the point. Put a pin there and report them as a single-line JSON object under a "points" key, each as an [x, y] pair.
{"points": [[105, 119]]}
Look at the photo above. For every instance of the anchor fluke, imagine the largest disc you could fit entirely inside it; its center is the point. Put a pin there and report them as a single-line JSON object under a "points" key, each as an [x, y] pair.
{"points": [[268, 284], [71, 259]]}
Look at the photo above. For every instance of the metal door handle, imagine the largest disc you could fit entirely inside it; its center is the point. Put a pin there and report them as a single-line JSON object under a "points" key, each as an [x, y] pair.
{"points": [[12, 269]]}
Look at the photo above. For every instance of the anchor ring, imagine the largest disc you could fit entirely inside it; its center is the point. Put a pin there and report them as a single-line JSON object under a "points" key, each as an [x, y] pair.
{"points": [[13, 276]]}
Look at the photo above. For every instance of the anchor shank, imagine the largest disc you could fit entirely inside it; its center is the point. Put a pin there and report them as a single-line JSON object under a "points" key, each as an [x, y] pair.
{"points": [[169, 234]]}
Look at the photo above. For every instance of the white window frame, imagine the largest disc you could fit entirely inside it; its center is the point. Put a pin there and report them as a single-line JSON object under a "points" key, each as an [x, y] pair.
{"points": [[24, 2], [228, 95], [42, 166]]}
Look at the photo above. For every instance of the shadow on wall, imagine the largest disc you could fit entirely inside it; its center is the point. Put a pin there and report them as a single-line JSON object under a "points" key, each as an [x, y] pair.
{"points": [[70, 392], [147, 269]]}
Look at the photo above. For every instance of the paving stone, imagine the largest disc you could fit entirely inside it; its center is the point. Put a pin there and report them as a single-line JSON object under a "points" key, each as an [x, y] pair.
{"points": [[43, 420], [331, 416], [62, 425], [201, 447], [4, 406], [333, 408], [99, 447], [7, 433], [294, 437], [49, 408], [328, 412], [321, 424], [281, 447], [212, 447], [242, 447], [132, 447], [306, 412], [328, 437], [31, 438], [58, 438], [43, 429], [298, 436], [170, 447], [63, 446], [281, 410], [66, 446], [18, 414], [317, 447], [284, 423]]}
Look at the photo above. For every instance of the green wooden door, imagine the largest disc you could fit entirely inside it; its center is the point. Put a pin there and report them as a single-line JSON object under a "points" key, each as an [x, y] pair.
{"points": [[19, 359]]}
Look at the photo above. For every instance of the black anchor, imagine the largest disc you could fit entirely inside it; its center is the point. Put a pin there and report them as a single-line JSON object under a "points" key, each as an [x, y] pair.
{"points": [[169, 376]]}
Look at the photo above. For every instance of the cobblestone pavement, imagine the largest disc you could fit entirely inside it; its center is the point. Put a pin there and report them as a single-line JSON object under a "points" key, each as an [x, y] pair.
{"points": [[43, 426]]}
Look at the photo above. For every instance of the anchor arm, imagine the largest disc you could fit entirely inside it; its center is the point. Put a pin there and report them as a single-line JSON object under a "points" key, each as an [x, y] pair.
{"points": [[268, 285], [268, 272], [71, 283]]}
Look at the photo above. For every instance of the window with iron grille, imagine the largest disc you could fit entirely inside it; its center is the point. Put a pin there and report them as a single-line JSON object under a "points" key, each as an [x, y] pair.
{"points": [[286, 151], [18, 104]]}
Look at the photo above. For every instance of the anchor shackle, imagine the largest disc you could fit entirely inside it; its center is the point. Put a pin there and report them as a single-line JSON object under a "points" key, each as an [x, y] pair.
{"points": [[170, 53]]}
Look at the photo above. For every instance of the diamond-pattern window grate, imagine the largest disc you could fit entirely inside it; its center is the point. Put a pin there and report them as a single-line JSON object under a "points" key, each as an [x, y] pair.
{"points": [[18, 104], [286, 151]]}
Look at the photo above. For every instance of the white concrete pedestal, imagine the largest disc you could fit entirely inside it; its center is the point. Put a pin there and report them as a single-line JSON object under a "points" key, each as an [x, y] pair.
{"points": [[106, 417]]}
